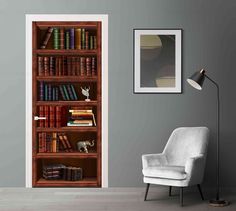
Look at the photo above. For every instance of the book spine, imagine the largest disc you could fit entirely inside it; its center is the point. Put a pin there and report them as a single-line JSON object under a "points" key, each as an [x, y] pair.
{"points": [[73, 65], [46, 66], [53, 93], [62, 92], [74, 92], [93, 66], [46, 113], [67, 143], [94, 42], [51, 66], [91, 42], [63, 143], [67, 43], [68, 65], [48, 145], [78, 38], [46, 38], [56, 38], [72, 38], [64, 68], [86, 40], [88, 66], [41, 114], [66, 93], [59, 69], [62, 38], [82, 66], [78, 66], [40, 66], [71, 96], [44, 149], [58, 116], [56, 93], [54, 142], [49, 92], [41, 90], [82, 38], [52, 119]]}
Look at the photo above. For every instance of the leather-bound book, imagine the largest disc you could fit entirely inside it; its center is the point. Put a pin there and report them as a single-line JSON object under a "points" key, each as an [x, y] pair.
{"points": [[46, 66], [46, 38], [88, 66], [72, 38], [86, 40], [41, 114], [62, 38], [40, 66], [78, 38], [93, 66]]}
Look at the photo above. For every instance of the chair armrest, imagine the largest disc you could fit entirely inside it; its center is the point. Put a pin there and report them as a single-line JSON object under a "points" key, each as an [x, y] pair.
{"points": [[194, 168], [153, 160]]}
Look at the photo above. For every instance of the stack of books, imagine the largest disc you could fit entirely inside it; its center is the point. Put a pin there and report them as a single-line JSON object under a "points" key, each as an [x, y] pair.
{"points": [[52, 172], [70, 38], [71, 173], [53, 142], [81, 117], [66, 66]]}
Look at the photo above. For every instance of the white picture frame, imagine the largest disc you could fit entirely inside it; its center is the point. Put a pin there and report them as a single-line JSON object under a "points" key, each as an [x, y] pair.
{"points": [[157, 60]]}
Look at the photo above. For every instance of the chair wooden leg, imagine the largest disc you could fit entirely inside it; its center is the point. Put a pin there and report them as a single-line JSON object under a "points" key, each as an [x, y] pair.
{"points": [[170, 190], [181, 196], [200, 191], [147, 188]]}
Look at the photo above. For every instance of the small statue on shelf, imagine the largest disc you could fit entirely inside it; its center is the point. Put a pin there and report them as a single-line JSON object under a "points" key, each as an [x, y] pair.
{"points": [[83, 145], [85, 92]]}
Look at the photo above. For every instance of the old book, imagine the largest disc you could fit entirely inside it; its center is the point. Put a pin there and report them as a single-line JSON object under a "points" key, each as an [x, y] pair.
{"points": [[62, 38], [58, 116], [83, 38], [69, 146], [46, 114], [51, 65], [78, 66], [69, 69], [82, 66], [41, 90], [73, 65], [62, 92], [78, 38], [71, 96], [40, 66], [56, 38], [72, 38], [88, 66], [86, 40], [74, 92], [63, 143], [52, 118], [91, 42], [93, 66], [46, 37], [54, 142], [46, 66], [41, 114], [67, 39]]}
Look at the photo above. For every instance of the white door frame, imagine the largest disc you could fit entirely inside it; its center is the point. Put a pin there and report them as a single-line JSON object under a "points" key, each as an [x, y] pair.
{"points": [[98, 17]]}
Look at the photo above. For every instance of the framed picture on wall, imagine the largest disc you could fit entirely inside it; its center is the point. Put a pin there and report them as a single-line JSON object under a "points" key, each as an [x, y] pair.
{"points": [[157, 60]]}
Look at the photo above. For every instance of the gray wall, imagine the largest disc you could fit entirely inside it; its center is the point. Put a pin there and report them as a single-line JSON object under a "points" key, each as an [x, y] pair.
{"points": [[137, 123]]}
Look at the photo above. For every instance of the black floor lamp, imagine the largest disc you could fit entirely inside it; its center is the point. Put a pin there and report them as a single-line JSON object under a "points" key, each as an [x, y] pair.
{"points": [[196, 81]]}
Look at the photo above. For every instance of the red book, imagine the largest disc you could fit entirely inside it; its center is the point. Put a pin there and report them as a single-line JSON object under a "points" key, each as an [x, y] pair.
{"points": [[58, 116], [69, 66], [46, 66], [41, 114], [46, 114], [93, 66], [44, 137], [52, 118], [82, 66], [73, 65], [60, 72], [78, 66], [57, 66], [64, 66], [63, 143], [40, 66], [67, 143], [88, 66], [40, 142]]}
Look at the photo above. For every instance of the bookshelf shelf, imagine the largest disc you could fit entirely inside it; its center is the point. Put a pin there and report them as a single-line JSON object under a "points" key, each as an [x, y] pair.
{"points": [[66, 154], [85, 182], [77, 103], [66, 60], [66, 129], [67, 78]]}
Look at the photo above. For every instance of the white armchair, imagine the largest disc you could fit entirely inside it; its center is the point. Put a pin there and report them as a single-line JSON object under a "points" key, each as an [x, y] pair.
{"points": [[182, 162]]}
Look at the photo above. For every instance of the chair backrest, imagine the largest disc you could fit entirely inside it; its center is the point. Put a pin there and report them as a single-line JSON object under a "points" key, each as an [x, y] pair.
{"points": [[186, 142]]}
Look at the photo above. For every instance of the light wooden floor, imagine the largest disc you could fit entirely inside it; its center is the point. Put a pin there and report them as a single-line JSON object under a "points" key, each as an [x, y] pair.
{"points": [[110, 199]]}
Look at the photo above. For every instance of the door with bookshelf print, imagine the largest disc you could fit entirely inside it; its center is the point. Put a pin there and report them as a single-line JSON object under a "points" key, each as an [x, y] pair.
{"points": [[66, 104]]}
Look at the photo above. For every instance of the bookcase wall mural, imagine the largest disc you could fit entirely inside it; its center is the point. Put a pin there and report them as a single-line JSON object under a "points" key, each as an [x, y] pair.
{"points": [[66, 70]]}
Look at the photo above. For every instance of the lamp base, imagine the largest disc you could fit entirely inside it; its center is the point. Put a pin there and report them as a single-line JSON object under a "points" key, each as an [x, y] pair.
{"points": [[218, 203]]}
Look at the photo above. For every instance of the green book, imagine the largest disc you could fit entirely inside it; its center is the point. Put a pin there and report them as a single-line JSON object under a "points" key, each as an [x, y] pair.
{"points": [[66, 93], [46, 92], [67, 44], [83, 38], [73, 91], [56, 38], [91, 43]]}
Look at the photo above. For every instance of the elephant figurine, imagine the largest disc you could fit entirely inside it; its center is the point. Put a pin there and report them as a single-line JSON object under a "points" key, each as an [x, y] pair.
{"points": [[83, 145]]}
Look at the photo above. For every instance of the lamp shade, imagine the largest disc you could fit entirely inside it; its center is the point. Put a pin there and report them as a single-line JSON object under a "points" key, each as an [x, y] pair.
{"points": [[197, 79]]}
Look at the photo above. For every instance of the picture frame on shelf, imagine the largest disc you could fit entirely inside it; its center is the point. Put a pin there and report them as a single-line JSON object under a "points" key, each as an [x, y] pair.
{"points": [[157, 60]]}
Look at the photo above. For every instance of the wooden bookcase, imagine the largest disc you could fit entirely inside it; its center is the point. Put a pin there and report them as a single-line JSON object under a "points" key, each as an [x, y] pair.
{"points": [[89, 162]]}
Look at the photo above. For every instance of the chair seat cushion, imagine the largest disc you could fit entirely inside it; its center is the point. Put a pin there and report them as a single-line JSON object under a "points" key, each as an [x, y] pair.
{"points": [[167, 172]]}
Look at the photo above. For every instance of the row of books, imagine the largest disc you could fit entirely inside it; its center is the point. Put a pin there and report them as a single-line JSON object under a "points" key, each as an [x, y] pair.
{"points": [[81, 117], [72, 38], [55, 116], [60, 171], [49, 92], [66, 66], [53, 142]]}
